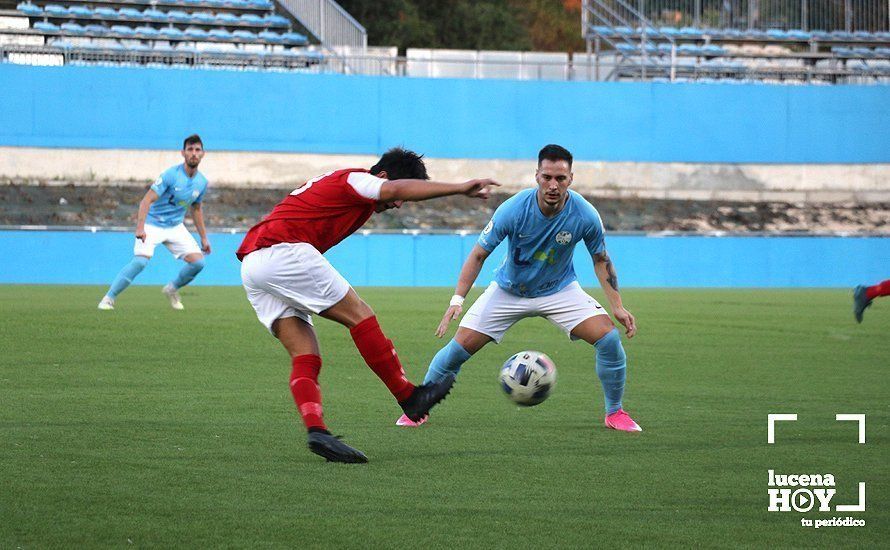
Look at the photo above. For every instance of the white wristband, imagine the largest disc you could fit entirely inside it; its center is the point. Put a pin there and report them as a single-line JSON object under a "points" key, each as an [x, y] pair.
{"points": [[456, 300]]}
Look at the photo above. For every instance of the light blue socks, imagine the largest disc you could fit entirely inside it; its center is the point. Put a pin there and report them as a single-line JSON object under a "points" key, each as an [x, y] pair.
{"points": [[448, 360], [126, 275], [611, 367], [187, 274]]}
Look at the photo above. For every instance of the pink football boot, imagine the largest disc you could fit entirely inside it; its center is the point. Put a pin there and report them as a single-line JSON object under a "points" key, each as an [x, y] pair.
{"points": [[408, 423], [620, 420]]}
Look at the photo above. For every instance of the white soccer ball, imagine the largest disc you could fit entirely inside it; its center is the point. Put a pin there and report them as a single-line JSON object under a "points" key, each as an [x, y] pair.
{"points": [[528, 378]]}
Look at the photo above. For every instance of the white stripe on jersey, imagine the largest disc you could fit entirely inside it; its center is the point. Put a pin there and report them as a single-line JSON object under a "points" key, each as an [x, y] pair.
{"points": [[365, 184]]}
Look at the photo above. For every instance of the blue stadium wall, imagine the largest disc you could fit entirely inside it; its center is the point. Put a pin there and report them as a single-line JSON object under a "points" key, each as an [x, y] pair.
{"points": [[101, 107], [83, 257]]}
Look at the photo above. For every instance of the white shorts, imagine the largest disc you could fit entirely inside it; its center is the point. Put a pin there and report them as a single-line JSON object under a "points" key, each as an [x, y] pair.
{"points": [[290, 280], [177, 239], [497, 310]]}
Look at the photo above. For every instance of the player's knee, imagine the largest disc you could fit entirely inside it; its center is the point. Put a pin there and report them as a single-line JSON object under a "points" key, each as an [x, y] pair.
{"points": [[139, 262], [609, 346], [198, 264], [362, 311]]}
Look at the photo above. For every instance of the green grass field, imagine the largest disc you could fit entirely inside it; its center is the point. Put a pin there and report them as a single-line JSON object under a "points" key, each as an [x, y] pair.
{"points": [[151, 427]]}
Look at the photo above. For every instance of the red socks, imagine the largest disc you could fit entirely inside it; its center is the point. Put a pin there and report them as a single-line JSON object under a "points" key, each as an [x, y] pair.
{"points": [[304, 386], [880, 289], [379, 353]]}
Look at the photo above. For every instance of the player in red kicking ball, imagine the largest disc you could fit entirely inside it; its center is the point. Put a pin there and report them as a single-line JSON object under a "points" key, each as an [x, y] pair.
{"points": [[287, 280], [863, 295]]}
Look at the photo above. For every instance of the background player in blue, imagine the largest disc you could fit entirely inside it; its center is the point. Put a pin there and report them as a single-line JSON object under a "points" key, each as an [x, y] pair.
{"points": [[537, 279], [160, 221]]}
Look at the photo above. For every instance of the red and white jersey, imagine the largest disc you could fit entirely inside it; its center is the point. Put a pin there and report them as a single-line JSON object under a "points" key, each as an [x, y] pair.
{"points": [[323, 212]]}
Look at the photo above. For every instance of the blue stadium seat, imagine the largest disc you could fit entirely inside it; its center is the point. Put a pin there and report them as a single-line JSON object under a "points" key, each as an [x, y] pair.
{"points": [[670, 31], [55, 10], [604, 31], [756, 34], [153, 14], [218, 3], [252, 19], [712, 49], [220, 34], [882, 52], [271, 37], [196, 33], [244, 36], [171, 32], [191, 3], [129, 13], [799, 35], [122, 30], [277, 20], [106, 13], [864, 36], [43, 26], [627, 48], [204, 17], [227, 18], [242, 4], [733, 33], [178, 16], [841, 35], [689, 49], [690, 32], [821, 35], [150, 32], [295, 38], [80, 11], [29, 9], [624, 31], [94, 29], [841, 51], [73, 28], [864, 52]]}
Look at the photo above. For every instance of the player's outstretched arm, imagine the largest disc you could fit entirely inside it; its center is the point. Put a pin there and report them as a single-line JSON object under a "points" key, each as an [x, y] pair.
{"points": [[144, 205], [468, 275], [605, 272], [198, 216], [421, 190]]}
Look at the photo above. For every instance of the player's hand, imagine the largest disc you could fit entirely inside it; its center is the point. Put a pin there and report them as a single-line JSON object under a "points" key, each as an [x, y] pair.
{"points": [[625, 318], [480, 188], [205, 245], [140, 234], [452, 313]]}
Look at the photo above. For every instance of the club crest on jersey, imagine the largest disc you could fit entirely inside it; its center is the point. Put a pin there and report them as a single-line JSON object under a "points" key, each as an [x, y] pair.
{"points": [[195, 194], [563, 237], [488, 227]]}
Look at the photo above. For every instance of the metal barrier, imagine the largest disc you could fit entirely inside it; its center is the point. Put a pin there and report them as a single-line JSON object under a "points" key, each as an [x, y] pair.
{"points": [[328, 22], [807, 15]]}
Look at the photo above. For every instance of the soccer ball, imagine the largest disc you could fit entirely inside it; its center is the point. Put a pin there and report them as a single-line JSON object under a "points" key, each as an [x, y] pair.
{"points": [[528, 378]]}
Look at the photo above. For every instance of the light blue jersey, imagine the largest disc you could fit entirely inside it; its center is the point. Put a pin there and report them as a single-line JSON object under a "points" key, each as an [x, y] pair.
{"points": [[539, 258], [176, 192]]}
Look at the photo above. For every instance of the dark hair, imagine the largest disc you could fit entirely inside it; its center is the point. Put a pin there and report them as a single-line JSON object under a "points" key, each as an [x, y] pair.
{"points": [[399, 164], [554, 153], [192, 139]]}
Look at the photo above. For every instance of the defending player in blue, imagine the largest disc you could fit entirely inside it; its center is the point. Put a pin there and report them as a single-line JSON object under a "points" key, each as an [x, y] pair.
{"points": [[537, 279], [160, 221]]}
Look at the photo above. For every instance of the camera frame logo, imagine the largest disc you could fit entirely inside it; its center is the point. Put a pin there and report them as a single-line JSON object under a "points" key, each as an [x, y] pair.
{"points": [[813, 491]]}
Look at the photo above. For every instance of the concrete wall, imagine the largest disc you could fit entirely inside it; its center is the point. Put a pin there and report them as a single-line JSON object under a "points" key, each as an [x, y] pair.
{"points": [[787, 182]]}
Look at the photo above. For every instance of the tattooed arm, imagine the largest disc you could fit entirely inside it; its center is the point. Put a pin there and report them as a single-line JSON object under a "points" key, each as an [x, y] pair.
{"points": [[605, 272]]}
